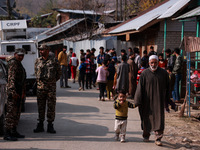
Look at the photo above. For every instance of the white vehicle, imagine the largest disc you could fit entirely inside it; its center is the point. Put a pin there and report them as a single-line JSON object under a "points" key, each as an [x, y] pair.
{"points": [[8, 48], [13, 35]]}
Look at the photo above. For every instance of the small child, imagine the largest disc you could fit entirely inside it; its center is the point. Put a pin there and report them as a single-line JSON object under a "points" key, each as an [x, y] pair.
{"points": [[143, 67], [121, 115], [171, 88], [102, 74], [74, 64], [162, 63], [195, 78], [81, 78]]}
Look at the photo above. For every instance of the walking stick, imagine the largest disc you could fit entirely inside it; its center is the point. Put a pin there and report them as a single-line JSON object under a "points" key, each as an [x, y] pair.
{"points": [[181, 114]]}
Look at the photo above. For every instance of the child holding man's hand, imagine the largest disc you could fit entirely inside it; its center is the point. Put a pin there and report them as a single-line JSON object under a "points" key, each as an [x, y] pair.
{"points": [[121, 115]]}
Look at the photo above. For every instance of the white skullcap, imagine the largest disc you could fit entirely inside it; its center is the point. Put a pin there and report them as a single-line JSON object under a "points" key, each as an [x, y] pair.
{"points": [[153, 57]]}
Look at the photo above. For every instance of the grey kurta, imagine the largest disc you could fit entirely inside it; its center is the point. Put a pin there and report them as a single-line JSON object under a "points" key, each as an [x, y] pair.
{"points": [[151, 94], [133, 70], [123, 77]]}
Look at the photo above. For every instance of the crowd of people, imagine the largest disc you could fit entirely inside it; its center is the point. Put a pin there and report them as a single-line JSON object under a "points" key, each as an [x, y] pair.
{"points": [[121, 72], [150, 80]]}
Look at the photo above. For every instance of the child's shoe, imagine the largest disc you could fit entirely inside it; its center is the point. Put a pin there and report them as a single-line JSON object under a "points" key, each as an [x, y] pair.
{"points": [[158, 143], [123, 139], [116, 137]]}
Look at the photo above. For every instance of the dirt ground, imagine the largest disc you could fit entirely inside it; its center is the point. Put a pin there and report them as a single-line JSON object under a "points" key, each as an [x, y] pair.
{"points": [[183, 132]]}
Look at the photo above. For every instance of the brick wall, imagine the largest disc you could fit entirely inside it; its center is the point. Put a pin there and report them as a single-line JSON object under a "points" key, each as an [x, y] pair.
{"points": [[173, 39], [64, 17]]}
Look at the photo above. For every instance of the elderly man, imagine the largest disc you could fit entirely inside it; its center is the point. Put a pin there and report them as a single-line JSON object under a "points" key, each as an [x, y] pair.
{"points": [[151, 94], [47, 71], [15, 94]]}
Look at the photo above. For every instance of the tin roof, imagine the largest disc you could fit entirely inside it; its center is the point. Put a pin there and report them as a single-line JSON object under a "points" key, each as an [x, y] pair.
{"points": [[174, 8], [193, 13], [108, 11], [59, 28], [3, 12], [167, 9], [86, 12]]}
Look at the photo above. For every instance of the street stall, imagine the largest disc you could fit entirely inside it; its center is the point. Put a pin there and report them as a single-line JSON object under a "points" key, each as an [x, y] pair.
{"points": [[192, 47]]}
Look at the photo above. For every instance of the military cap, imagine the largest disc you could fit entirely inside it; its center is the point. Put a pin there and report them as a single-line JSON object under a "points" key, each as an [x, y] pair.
{"points": [[43, 46], [20, 51]]}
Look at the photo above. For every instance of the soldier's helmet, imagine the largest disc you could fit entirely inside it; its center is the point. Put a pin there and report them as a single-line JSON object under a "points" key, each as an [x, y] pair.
{"points": [[20, 51], [43, 46]]}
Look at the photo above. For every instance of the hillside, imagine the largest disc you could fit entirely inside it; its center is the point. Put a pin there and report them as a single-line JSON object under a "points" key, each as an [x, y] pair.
{"points": [[33, 7], [30, 7]]}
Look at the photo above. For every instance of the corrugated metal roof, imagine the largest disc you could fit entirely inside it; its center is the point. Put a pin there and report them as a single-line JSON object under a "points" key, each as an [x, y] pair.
{"points": [[59, 28], [3, 12], [44, 15], [108, 11], [174, 8], [193, 13], [142, 20], [87, 12]]}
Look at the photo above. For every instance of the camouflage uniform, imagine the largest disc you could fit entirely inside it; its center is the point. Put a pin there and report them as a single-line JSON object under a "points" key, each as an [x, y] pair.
{"points": [[15, 86], [47, 73]]}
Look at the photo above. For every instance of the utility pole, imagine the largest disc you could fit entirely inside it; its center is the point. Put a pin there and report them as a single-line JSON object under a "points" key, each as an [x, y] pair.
{"points": [[116, 12], [125, 9], [8, 9], [120, 10]]}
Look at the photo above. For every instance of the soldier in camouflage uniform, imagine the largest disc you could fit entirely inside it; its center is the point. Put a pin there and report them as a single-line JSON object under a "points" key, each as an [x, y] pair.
{"points": [[15, 94], [47, 71]]}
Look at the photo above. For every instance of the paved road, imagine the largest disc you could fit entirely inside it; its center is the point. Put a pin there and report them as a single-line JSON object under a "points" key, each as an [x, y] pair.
{"points": [[82, 123]]}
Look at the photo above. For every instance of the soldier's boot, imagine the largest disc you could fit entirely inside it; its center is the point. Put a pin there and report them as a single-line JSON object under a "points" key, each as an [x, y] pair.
{"points": [[50, 128], [39, 128], [8, 136], [16, 134]]}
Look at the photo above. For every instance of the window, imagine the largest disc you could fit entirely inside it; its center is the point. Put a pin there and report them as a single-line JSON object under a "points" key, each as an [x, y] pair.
{"points": [[26, 47], [10, 48]]}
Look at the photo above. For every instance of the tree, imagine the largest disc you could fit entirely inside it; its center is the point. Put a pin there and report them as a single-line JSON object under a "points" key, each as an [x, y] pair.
{"points": [[50, 21], [145, 4], [40, 22], [9, 9], [48, 6]]}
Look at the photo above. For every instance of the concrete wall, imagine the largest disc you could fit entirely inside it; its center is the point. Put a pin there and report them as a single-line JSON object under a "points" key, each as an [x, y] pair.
{"points": [[107, 43]]}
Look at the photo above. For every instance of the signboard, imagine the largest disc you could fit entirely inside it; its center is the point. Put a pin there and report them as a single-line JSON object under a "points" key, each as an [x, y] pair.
{"points": [[192, 44], [13, 24]]}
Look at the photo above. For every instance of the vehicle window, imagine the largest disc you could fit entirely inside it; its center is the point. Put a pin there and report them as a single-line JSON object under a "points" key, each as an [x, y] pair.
{"points": [[26, 47], [10, 48]]}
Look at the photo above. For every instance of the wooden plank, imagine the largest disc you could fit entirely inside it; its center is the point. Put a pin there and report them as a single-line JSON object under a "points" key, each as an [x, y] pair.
{"points": [[192, 44]]}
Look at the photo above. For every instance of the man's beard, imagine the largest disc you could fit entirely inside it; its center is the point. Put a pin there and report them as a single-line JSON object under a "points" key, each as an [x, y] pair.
{"points": [[153, 68]]}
